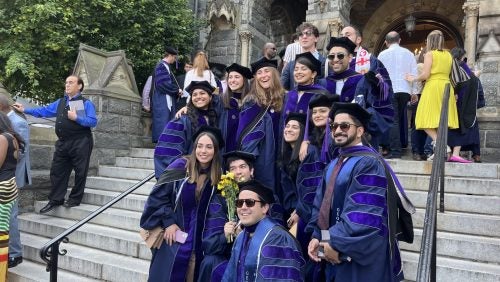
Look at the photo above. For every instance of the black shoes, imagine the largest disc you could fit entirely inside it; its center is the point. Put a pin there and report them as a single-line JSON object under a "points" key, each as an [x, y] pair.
{"points": [[50, 206], [70, 204], [13, 262]]}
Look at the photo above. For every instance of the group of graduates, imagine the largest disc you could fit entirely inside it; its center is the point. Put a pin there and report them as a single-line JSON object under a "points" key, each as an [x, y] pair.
{"points": [[278, 144]]}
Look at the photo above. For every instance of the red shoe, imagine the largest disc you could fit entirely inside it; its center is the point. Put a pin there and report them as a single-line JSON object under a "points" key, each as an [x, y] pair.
{"points": [[458, 159]]}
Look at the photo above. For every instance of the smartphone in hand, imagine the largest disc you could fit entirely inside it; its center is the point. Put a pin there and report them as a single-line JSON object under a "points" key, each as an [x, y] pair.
{"points": [[180, 236]]}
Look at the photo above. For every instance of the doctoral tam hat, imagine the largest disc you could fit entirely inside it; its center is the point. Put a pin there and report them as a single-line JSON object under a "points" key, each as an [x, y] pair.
{"points": [[341, 42], [263, 62], [200, 85], [265, 193], [310, 57], [323, 101], [353, 109], [214, 131], [300, 118], [244, 71]]}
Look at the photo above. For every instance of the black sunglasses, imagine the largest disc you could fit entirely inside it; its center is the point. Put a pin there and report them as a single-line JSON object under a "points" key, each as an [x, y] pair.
{"points": [[344, 126], [340, 56], [249, 202]]}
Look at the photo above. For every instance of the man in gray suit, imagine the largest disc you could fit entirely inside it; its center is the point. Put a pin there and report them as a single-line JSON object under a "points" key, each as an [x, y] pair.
{"points": [[23, 178]]}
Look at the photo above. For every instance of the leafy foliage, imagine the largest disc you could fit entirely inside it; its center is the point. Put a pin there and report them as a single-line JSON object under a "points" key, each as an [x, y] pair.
{"points": [[39, 39]]}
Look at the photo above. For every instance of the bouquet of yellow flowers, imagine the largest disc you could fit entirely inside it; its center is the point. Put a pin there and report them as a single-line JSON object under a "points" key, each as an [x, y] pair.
{"points": [[229, 190]]}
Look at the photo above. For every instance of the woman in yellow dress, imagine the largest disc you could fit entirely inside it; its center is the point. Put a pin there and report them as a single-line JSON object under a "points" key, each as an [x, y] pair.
{"points": [[436, 74]]}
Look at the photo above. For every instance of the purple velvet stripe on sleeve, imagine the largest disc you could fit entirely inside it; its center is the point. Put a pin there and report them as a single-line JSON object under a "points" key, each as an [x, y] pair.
{"points": [[253, 136], [177, 126], [363, 198], [372, 180], [311, 167], [178, 164], [309, 197], [214, 225], [167, 138], [368, 219], [311, 182], [280, 273], [214, 207], [163, 151], [278, 252], [218, 271]]}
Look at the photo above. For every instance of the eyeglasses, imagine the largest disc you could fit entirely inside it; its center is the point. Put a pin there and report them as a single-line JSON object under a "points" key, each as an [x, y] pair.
{"points": [[306, 33], [249, 202], [344, 126], [339, 56]]}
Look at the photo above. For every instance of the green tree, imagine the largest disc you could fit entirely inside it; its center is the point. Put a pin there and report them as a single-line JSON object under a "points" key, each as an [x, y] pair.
{"points": [[39, 39]]}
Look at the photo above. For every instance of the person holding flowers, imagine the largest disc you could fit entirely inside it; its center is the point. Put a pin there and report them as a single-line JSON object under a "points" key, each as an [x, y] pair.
{"points": [[264, 249], [180, 203]]}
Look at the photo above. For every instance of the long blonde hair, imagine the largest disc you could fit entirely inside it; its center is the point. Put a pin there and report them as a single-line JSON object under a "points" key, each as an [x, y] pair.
{"points": [[200, 63], [272, 97], [193, 166], [435, 41]]}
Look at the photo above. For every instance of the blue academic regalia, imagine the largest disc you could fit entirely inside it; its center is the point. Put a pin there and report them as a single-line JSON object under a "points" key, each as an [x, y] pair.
{"points": [[170, 263], [228, 123], [257, 136], [175, 141], [164, 88], [214, 243], [271, 254], [358, 220]]}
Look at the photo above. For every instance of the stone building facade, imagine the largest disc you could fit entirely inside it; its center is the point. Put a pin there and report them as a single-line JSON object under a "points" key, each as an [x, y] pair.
{"points": [[237, 29]]}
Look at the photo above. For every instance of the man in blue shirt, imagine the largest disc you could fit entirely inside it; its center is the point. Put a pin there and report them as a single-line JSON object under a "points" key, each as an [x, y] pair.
{"points": [[75, 116]]}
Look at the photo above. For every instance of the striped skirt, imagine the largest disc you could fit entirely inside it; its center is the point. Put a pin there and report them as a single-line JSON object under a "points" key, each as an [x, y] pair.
{"points": [[8, 195]]}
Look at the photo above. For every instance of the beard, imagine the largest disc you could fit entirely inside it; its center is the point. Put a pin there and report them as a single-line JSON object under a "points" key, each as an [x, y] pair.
{"points": [[348, 141]]}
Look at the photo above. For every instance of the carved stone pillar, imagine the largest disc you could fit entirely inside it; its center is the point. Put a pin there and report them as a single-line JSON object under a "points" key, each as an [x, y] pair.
{"points": [[471, 10], [335, 26], [245, 37]]}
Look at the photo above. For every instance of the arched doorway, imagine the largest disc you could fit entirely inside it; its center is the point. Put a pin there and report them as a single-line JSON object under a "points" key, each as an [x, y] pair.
{"points": [[425, 23], [286, 15]]}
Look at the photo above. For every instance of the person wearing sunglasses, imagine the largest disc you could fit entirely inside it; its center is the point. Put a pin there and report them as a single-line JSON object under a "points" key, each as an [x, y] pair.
{"points": [[269, 51], [308, 38], [351, 236], [352, 86], [179, 203], [264, 250]]}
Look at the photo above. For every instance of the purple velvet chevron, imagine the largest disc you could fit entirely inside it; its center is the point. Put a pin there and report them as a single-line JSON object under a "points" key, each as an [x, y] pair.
{"points": [[368, 219], [309, 197], [253, 136], [214, 207], [311, 182], [363, 198], [372, 180], [280, 272], [311, 167], [214, 225], [175, 126], [167, 138], [163, 151], [178, 164]]}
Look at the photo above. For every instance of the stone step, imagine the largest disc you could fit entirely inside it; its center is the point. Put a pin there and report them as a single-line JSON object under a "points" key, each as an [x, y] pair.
{"points": [[30, 271], [135, 162], [460, 202], [112, 217], [108, 239], [451, 269], [95, 263], [123, 172], [473, 186], [142, 153], [460, 246], [132, 202], [464, 223], [473, 170], [118, 185]]}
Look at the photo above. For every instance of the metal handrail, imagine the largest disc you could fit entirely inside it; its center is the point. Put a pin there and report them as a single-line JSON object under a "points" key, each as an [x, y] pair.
{"points": [[426, 270], [50, 251]]}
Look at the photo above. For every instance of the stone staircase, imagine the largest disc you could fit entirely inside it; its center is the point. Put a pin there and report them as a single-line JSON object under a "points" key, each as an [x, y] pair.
{"points": [[109, 248]]}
